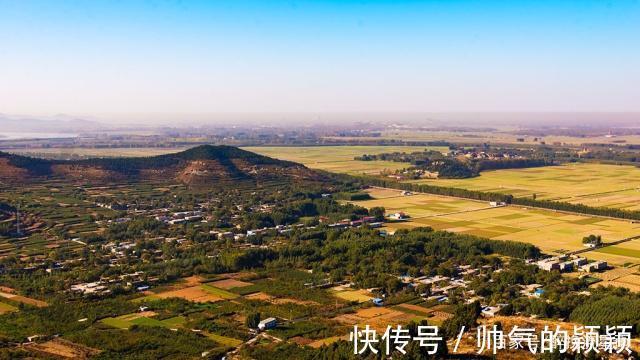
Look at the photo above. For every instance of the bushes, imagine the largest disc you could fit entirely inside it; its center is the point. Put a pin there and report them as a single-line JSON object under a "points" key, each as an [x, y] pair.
{"points": [[609, 310], [142, 342], [358, 196]]}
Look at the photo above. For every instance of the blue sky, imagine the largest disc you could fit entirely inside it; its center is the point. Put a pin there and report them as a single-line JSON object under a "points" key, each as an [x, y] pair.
{"points": [[95, 56]]}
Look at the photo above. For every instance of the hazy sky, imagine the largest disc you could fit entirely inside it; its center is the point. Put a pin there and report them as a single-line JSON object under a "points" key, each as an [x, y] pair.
{"points": [[83, 57]]}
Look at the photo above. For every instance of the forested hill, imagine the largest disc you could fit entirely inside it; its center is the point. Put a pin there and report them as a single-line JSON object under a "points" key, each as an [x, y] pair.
{"points": [[196, 165]]}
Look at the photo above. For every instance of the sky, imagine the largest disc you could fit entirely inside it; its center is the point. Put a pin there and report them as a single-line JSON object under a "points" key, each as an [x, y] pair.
{"points": [[220, 56]]}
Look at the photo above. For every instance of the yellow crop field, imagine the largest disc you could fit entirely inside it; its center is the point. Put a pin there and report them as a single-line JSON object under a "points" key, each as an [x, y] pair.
{"points": [[340, 158], [352, 295], [598, 185], [551, 231]]}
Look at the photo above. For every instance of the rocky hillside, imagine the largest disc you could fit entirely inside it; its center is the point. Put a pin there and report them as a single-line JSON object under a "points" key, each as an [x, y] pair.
{"points": [[200, 165]]}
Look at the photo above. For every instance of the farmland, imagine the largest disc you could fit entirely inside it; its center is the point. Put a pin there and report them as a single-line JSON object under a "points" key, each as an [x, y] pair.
{"points": [[52, 208], [340, 158], [551, 231], [240, 257], [195, 291], [351, 295], [596, 185], [71, 153], [502, 135], [5, 308]]}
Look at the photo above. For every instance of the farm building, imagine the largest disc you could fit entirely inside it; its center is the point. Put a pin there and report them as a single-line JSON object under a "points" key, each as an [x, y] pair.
{"points": [[594, 266], [268, 323], [399, 216], [491, 311]]}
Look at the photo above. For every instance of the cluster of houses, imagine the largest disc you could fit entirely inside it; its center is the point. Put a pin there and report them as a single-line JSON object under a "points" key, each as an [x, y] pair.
{"points": [[369, 221], [112, 206], [564, 263], [136, 280], [346, 223], [181, 217], [441, 285], [398, 216], [472, 154]]}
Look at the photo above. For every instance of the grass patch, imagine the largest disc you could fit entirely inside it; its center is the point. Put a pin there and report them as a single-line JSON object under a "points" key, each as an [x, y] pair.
{"points": [[219, 292], [352, 295], [223, 340], [6, 308], [175, 321], [145, 321], [116, 323], [615, 250]]}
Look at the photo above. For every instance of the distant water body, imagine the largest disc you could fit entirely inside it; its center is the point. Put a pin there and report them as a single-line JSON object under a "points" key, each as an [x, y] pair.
{"points": [[34, 135]]}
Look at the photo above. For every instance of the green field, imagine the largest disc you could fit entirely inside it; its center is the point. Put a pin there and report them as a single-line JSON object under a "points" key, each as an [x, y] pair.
{"points": [[597, 185], [551, 231], [116, 322], [219, 292], [6, 308], [340, 158], [128, 320], [224, 340], [617, 250]]}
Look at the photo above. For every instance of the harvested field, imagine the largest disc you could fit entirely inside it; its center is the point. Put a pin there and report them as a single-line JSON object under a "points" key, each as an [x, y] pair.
{"points": [[301, 340], [626, 277], [631, 282], [61, 348], [327, 341], [598, 185], [551, 231], [6, 308], [258, 296], [23, 299], [616, 273], [280, 301], [227, 284], [340, 159], [415, 308], [376, 317], [348, 294], [192, 293]]}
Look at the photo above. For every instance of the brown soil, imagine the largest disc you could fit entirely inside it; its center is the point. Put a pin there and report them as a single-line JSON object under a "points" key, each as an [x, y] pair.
{"points": [[229, 284], [61, 348], [193, 293]]}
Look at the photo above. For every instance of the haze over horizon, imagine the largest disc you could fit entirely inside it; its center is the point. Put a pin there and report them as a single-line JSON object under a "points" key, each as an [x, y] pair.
{"points": [[167, 58]]}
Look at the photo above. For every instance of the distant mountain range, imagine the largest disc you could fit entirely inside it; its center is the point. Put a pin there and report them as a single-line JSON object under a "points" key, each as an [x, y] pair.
{"points": [[56, 124], [200, 165]]}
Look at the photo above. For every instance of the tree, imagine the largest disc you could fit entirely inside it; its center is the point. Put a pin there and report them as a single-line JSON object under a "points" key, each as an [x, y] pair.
{"points": [[465, 315], [377, 212], [594, 240], [252, 320]]}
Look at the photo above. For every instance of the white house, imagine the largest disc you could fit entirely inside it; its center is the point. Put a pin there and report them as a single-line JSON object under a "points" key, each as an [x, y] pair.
{"points": [[268, 323]]}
